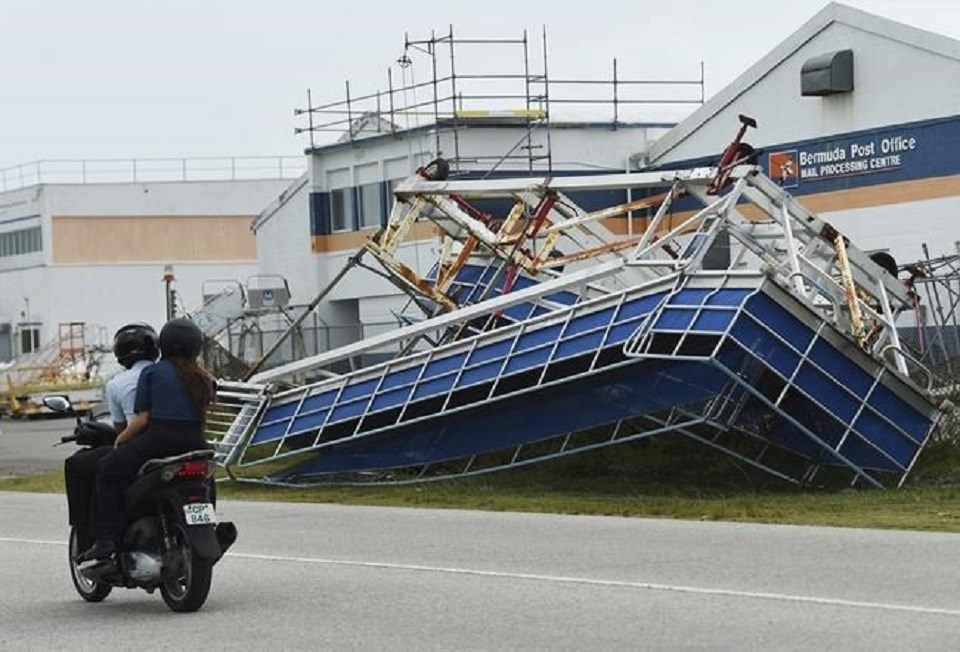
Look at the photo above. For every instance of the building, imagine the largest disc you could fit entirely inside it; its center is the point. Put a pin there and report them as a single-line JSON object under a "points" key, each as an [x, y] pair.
{"points": [[859, 116], [86, 242]]}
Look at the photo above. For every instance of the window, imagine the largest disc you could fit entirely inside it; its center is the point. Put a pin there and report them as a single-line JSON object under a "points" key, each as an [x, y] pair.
{"points": [[371, 208], [341, 209], [29, 338], [6, 343], [22, 241]]}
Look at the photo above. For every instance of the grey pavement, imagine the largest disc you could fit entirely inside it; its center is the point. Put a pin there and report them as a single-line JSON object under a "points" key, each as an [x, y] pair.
{"points": [[365, 578], [28, 446]]}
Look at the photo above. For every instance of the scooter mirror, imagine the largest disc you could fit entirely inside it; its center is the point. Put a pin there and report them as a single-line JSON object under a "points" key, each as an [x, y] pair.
{"points": [[58, 403]]}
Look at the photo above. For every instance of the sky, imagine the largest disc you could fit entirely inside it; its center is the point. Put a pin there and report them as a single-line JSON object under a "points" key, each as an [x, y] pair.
{"points": [[84, 79]]}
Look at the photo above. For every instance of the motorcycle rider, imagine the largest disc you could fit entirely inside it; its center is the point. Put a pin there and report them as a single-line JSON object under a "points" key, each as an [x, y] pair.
{"points": [[135, 347], [171, 399]]}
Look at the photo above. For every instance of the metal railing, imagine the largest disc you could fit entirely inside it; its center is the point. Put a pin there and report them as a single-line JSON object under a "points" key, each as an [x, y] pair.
{"points": [[133, 170], [448, 97]]}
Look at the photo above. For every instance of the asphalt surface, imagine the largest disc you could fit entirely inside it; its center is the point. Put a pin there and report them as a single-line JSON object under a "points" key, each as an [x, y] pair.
{"points": [[28, 446], [362, 578]]}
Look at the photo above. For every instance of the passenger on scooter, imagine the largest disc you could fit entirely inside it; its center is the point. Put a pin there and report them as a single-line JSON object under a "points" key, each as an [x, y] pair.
{"points": [[171, 400], [135, 346]]}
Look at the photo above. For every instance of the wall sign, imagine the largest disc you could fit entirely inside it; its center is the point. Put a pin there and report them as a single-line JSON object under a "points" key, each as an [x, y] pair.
{"points": [[823, 161]]}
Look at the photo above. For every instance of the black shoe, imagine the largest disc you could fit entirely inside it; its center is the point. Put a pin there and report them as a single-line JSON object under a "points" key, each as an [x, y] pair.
{"points": [[99, 550]]}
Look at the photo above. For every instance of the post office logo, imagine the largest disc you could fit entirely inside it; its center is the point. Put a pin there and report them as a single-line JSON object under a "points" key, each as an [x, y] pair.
{"points": [[782, 167]]}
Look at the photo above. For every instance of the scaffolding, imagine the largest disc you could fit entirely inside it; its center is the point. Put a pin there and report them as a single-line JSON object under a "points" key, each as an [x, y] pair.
{"points": [[932, 330], [456, 99]]}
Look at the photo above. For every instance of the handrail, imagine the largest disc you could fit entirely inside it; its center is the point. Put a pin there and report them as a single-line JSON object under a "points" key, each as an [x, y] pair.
{"points": [[823, 291], [132, 170], [912, 359]]}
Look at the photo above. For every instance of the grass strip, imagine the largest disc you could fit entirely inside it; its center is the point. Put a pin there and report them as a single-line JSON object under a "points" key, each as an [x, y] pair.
{"points": [[916, 508]]}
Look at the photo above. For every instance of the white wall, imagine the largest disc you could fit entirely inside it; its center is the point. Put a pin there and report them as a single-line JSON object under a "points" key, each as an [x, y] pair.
{"points": [[114, 295], [23, 296], [903, 228], [283, 243], [894, 82], [247, 197], [110, 294]]}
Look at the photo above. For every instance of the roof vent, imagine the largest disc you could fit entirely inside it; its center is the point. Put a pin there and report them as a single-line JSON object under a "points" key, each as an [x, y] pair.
{"points": [[827, 74]]}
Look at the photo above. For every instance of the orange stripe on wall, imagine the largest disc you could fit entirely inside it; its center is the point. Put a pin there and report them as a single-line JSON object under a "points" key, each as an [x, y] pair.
{"points": [[350, 240], [93, 239]]}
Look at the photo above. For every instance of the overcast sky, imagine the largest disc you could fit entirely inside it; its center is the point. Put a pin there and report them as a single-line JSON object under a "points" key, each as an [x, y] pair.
{"points": [[134, 78]]}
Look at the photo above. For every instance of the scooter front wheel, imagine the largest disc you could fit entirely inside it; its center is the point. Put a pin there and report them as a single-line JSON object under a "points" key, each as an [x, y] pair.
{"points": [[88, 589]]}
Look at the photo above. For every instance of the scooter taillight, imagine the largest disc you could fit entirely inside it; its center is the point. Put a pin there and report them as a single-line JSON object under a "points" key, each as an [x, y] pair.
{"points": [[193, 469]]}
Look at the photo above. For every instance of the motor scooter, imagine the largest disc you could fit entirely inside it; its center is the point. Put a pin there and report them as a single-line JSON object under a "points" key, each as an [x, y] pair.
{"points": [[171, 538]]}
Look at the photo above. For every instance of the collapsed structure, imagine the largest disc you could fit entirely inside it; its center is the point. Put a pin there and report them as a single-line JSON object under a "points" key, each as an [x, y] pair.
{"points": [[735, 318]]}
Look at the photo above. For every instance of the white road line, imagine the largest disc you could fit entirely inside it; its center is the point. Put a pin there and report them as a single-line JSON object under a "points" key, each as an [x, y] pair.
{"points": [[756, 595]]}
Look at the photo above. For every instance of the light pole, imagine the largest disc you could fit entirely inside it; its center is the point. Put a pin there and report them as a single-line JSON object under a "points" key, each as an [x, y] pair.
{"points": [[169, 278]]}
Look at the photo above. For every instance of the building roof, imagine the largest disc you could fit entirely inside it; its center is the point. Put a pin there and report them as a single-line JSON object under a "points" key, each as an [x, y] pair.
{"points": [[832, 13]]}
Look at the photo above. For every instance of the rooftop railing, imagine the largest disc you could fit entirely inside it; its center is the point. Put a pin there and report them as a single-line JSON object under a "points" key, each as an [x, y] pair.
{"points": [[133, 170]]}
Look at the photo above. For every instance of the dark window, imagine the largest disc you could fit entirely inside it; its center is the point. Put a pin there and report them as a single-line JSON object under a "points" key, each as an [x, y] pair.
{"points": [[29, 339], [371, 208], [341, 209]]}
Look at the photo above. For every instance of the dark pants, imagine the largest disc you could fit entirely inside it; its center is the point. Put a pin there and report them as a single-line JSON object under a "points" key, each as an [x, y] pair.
{"points": [[80, 473], [117, 469]]}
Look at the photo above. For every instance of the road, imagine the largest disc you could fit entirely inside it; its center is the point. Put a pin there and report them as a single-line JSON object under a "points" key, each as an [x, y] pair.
{"points": [[27, 446], [366, 578]]}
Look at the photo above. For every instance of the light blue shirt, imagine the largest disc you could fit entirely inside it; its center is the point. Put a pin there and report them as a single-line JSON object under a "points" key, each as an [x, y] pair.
{"points": [[121, 391]]}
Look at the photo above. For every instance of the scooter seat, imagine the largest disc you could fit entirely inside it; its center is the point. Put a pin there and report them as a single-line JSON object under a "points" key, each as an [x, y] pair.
{"points": [[160, 462]]}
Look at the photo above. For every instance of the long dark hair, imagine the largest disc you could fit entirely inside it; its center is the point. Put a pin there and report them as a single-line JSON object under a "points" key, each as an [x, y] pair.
{"points": [[196, 382]]}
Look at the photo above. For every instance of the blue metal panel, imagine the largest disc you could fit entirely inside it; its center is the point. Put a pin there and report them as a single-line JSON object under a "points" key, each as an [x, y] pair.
{"points": [[534, 338], [881, 434], [639, 388], [308, 421], [434, 386], [579, 344], [489, 352], [440, 366], [479, 374], [727, 297], [358, 388], [564, 298], [899, 412], [690, 296], [589, 321], [277, 412], [392, 398], [268, 432], [527, 360], [347, 410], [839, 366], [713, 320], [675, 319], [765, 346], [822, 389], [768, 312], [400, 378], [322, 400]]}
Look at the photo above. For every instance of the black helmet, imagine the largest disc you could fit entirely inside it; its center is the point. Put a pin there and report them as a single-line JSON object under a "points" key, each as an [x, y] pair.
{"points": [[135, 342], [180, 338]]}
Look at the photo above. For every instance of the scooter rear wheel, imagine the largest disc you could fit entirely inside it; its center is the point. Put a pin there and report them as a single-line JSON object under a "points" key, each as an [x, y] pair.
{"points": [[89, 590], [186, 584]]}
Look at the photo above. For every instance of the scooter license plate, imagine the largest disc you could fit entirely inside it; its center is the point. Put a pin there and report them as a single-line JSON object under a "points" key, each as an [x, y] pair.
{"points": [[199, 514]]}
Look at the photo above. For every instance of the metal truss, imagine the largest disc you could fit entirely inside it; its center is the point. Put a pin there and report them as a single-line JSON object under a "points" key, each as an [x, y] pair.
{"points": [[545, 298]]}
